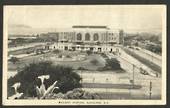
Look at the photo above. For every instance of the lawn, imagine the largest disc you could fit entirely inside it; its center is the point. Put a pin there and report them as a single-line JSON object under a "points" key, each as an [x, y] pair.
{"points": [[86, 63]]}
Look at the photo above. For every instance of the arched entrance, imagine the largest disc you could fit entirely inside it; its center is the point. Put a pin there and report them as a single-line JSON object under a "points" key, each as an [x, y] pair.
{"points": [[79, 36], [96, 37], [87, 37]]}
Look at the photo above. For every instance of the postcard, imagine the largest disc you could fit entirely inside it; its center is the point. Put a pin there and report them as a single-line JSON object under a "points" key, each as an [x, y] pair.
{"points": [[84, 55]]}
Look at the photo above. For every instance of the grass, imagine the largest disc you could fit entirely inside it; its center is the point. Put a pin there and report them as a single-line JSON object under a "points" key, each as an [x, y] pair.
{"points": [[86, 64], [75, 64], [92, 62]]}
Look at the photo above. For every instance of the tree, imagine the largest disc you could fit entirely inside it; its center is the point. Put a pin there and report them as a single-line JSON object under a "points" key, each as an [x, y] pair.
{"points": [[60, 56], [66, 77], [154, 48], [14, 60], [68, 56], [112, 64], [136, 44], [88, 52]]}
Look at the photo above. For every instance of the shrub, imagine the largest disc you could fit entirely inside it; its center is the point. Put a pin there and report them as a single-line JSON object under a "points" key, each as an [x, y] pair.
{"points": [[89, 52], [76, 93], [56, 51], [102, 68], [14, 60], [81, 68], [60, 56], [68, 56], [112, 64], [154, 48], [67, 79], [80, 94], [94, 62], [104, 55]]}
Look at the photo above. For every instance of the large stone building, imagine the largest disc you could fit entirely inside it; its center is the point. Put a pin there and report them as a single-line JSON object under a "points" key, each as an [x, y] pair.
{"points": [[89, 34], [94, 38]]}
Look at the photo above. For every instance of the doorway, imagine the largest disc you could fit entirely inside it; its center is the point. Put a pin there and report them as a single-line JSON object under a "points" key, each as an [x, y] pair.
{"points": [[66, 48], [99, 49]]}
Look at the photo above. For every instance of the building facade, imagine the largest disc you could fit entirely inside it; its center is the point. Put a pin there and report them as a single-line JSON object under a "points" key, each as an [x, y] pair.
{"points": [[94, 38], [89, 34], [85, 47]]}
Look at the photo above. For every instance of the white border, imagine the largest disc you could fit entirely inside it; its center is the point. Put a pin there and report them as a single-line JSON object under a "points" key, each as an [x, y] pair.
{"points": [[7, 102]]}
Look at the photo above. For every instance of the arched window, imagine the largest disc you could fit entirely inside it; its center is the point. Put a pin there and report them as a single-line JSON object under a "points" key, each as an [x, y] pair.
{"points": [[79, 36], [87, 36], [95, 37]]}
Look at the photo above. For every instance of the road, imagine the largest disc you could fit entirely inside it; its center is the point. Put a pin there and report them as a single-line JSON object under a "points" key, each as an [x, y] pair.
{"points": [[114, 85], [145, 61], [25, 46]]}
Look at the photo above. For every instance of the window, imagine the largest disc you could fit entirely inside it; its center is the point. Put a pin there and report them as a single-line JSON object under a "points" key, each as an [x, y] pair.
{"points": [[79, 36], [95, 37], [87, 36]]}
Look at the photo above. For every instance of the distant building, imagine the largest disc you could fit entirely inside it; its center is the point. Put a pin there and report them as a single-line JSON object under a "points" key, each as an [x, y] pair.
{"points": [[121, 37], [160, 38], [12, 37]]}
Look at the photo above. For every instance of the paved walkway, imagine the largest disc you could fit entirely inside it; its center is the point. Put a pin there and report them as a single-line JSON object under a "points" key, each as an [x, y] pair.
{"points": [[107, 85]]}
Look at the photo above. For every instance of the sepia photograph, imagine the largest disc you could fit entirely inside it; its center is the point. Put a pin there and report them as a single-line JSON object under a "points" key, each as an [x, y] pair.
{"points": [[84, 55]]}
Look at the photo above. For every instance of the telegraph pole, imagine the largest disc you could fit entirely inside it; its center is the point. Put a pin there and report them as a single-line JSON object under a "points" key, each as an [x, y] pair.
{"points": [[133, 75], [150, 90], [129, 91], [106, 82], [81, 77]]}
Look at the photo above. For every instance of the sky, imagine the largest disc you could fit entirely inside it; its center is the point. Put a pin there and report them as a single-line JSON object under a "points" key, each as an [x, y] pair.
{"points": [[127, 17]]}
